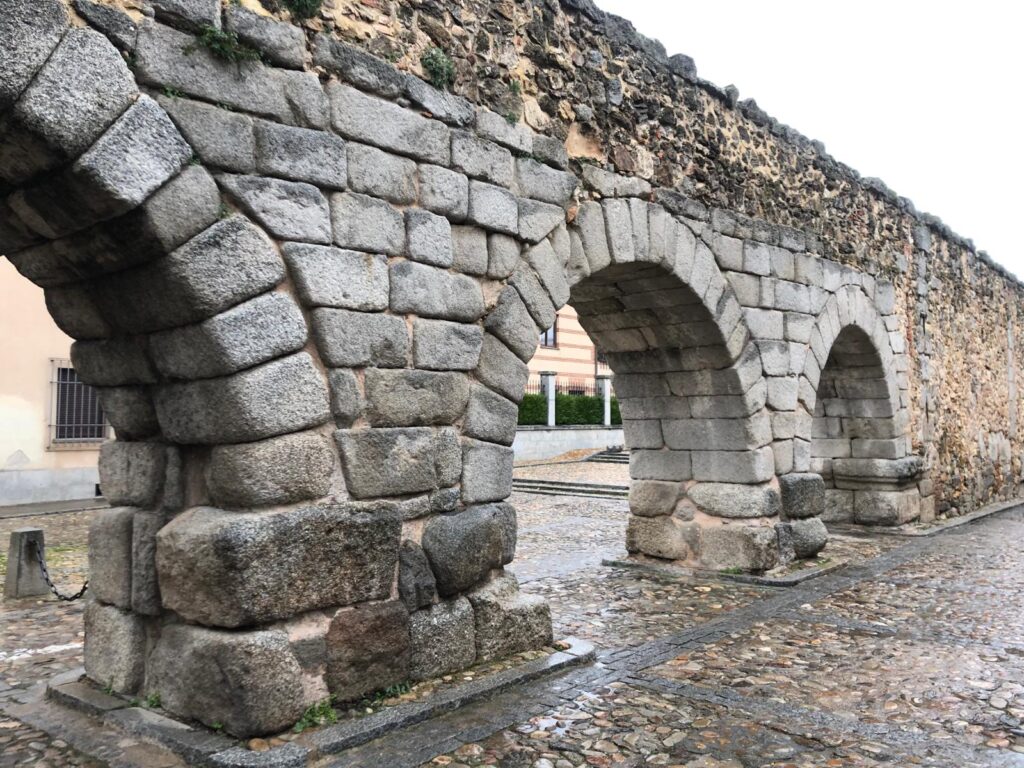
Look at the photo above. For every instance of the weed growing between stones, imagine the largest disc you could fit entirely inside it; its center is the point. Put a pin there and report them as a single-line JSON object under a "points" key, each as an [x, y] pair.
{"points": [[321, 713], [373, 700], [299, 9], [439, 68], [224, 45], [153, 701]]}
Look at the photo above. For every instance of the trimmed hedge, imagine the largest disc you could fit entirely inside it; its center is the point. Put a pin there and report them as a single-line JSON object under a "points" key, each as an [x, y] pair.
{"points": [[569, 410]]}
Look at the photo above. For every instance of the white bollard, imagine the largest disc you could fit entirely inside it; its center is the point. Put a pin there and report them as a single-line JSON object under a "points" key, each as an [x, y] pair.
{"points": [[605, 382], [547, 379]]}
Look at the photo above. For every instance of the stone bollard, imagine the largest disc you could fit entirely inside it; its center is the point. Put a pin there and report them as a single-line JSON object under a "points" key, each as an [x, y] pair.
{"points": [[24, 578], [547, 379], [604, 383]]}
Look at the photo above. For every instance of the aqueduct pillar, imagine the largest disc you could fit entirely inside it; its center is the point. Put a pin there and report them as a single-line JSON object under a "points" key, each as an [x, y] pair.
{"points": [[307, 285]]}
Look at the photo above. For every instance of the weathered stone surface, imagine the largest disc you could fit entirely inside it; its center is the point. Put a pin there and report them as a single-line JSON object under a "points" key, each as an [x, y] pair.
{"points": [[544, 260], [403, 398], [234, 569], [192, 14], [493, 126], [486, 471], [736, 499], [132, 474], [386, 125], [354, 339], [289, 210], [537, 219], [280, 42], [255, 331], [367, 224], [809, 536], [29, 31], [281, 470], [665, 536], [481, 159], [130, 411], [443, 639], [453, 109], [367, 649], [511, 322], [651, 498], [416, 585], [226, 264], [220, 137], [301, 154], [490, 417], [331, 277], [534, 295], [379, 174], [111, 362], [346, 399], [613, 185], [145, 586], [506, 620], [463, 547], [81, 90], [501, 370], [470, 250], [429, 238], [281, 396], [248, 683], [749, 548], [551, 150], [443, 191], [362, 69], [493, 207], [110, 556], [541, 182], [440, 345], [803, 495], [74, 311], [115, 647], [394, 462], [431, 292], [502, 254], [886, 507]]}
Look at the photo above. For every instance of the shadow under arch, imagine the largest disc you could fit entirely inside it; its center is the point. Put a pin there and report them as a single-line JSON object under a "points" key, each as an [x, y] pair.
{"points": [[854, 417]]}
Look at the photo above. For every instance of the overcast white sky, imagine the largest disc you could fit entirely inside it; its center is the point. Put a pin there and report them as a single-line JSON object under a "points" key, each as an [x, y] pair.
{"points": [[925, 96]]}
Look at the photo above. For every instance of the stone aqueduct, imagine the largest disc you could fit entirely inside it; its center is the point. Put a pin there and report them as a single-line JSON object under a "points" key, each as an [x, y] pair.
{"points": [[308, 285]]}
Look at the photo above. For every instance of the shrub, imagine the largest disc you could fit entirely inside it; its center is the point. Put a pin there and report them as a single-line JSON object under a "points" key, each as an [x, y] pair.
{"points": [[570, 410], [224, 45], [439, 67], [533, 410], [303, 9]]}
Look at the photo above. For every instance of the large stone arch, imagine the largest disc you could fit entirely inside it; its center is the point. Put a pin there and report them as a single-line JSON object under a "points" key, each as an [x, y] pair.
{"points": [[854, 414]]}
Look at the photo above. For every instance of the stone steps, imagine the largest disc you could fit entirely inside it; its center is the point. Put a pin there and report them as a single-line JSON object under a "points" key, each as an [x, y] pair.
{"points": [[558, 488], [610, 457]]}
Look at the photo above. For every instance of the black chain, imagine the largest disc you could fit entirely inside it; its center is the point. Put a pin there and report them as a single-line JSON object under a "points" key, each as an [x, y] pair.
{"points": [[46, 576]]}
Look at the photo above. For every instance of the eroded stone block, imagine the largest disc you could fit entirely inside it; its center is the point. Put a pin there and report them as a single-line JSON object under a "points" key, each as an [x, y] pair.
{"points": [[368, 649], [506, 620], [443, 639], [115, 647], [464, 547]]}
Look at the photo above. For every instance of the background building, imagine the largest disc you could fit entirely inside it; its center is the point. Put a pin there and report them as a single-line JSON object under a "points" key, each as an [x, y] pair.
{"points": [[566, 349], [51, 426]]}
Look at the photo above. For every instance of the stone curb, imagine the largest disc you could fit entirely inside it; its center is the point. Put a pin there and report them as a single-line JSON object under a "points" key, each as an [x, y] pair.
{"points": [[744, 578], [199, 746], [912, 532]]}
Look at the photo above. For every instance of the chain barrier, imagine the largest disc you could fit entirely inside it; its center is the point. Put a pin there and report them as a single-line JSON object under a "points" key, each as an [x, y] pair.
{"points": [[49, 582]]}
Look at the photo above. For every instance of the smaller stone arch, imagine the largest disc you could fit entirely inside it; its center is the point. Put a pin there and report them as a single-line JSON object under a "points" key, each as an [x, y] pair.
{"points": [[853, 413]]}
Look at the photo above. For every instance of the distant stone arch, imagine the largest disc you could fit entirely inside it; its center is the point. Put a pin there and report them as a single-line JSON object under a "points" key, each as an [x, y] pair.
{"points": [[856, 421]]}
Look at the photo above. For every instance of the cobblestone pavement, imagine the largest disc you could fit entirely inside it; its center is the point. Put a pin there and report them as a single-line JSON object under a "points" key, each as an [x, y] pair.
{"points": [[912, 655]]}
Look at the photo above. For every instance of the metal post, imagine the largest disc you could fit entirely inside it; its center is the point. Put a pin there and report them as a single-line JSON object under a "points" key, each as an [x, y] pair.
{"points": [[605, 382], [547, 379], [24, 577]]}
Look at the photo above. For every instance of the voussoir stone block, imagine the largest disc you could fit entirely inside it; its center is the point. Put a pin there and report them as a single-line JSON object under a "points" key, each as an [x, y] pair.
{"points": [[301, 154], [511, 322], [404, 398], [281, 470], [501, 370], [235, 569], [367, 224], [111, 362], [384, 124], [110, 556], [332, 277], [442, 345], [284, 395], [486, 471], [803, 495], [221, 138], [542, 182], [443, 639], [29, 31], [367, 649], [289, 210], [115, 647], [490, 416], [255, 331], [493, 208], [132, 474], [502, 255], [394, 462], [464, 547], [651, 498], [416, 584], [432, 292], [355, 339], [506, 620], [249, 683], [747, 547], [736, 500]]}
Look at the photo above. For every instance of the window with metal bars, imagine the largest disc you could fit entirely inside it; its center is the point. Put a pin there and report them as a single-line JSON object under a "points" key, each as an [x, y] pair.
{"points": [[549, 338], [76, 416]]}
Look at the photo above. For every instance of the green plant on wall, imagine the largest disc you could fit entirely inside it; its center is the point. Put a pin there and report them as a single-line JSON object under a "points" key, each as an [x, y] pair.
{"points": [[439, 67], [224, 45], [303, 9]]}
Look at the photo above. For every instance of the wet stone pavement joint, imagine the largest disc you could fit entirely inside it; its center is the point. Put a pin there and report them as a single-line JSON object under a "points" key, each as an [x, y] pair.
{"points": [[913, 655]]}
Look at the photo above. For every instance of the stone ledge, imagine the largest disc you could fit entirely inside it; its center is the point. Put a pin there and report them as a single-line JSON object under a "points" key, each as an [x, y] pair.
{"points": [[201, 747]]}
